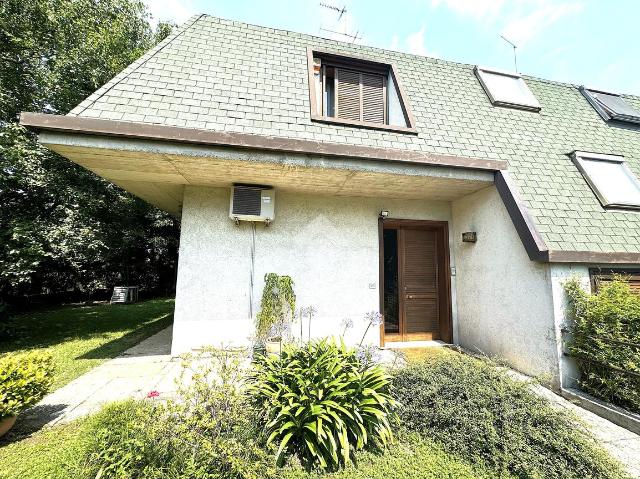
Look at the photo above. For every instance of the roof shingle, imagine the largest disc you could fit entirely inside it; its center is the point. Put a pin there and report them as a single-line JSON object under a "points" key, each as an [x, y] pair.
{"points": [[230, 76]]}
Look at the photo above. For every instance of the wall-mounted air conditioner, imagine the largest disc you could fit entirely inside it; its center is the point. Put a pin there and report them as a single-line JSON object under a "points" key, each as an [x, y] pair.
{"points": [[252, 203]]}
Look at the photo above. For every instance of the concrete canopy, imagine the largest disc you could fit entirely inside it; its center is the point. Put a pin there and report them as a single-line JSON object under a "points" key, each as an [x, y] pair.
{"points": [[157, 171]]}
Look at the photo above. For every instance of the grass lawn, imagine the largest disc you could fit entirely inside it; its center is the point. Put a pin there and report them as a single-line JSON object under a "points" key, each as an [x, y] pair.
{"points": [[421, 354], [57, 453], [53, 453], [82, 337]]}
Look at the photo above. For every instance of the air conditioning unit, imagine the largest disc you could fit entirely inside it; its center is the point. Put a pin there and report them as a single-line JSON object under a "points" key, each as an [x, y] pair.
{"points": [[252, 203]]}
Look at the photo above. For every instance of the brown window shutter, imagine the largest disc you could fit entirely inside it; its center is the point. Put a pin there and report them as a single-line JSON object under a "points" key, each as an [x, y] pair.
{"points": [[373, 98], [347, 94], [632, 278]]}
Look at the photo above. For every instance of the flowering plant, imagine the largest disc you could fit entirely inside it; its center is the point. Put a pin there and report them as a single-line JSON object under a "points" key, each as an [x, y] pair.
{"points": [[372, 318], [347, 323]]}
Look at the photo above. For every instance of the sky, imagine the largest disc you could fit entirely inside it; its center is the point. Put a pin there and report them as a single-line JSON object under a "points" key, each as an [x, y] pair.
{"points": [[585, 42]]}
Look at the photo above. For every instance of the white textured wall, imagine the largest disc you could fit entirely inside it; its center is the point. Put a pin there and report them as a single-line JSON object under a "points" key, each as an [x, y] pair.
{"points": [[505, 300], [328, 245], [560, 273]]}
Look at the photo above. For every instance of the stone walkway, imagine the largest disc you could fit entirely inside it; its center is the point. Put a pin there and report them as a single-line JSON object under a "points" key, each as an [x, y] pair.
{"points": [[621, 443], [146, 367]]}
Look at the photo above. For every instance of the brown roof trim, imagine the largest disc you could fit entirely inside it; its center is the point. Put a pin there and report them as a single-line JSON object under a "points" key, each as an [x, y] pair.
{"points": [[522, 220], [532, 239], [93, 126], [593, 257]]}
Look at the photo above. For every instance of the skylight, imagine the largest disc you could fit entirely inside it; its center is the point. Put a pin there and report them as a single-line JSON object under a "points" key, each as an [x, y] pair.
{"points": [[507, 89], [610, 178], [611, 106]]}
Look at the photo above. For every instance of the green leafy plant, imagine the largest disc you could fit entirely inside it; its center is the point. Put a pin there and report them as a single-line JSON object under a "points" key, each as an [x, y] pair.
{"points": [[24, 379], [277, 306], [605, 340], [318, 403], [208, 432], [473, 409]]}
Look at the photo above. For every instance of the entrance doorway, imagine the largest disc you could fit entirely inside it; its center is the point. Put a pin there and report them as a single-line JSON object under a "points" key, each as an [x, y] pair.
{"points": [[414, 270]]}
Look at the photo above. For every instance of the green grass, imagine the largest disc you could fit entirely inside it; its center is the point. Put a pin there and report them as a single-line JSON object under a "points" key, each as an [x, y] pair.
{"points": [[82, 337], [410, 458], [58, 453], [53, 453]]}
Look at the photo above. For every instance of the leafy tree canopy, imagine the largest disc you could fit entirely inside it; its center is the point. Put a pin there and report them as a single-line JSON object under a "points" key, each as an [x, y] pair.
{"points": [[62, 227]]}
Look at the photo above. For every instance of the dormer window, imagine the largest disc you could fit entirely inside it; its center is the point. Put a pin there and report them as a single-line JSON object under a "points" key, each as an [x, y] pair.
{"points": [[356, 92], [611, 106], [613, 183], [506, 89]]}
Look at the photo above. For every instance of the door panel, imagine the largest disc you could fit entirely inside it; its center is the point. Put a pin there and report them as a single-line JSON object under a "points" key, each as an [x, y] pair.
{"points": [[419, 284]]}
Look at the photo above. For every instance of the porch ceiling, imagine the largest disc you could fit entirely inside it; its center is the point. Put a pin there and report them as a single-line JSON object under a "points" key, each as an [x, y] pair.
{"points": [[158, 173]]}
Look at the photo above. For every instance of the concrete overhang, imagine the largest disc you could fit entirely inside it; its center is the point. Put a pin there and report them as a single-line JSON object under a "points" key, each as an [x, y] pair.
{"points": [[156, 162]]}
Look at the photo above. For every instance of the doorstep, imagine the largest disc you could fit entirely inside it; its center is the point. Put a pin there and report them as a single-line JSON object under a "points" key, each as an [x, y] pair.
{"points": [[415, 344]]}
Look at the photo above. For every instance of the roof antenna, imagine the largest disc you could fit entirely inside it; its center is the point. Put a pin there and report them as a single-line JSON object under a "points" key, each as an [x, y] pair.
{"points": [[341, 11], [353, 38], [515, 57]]}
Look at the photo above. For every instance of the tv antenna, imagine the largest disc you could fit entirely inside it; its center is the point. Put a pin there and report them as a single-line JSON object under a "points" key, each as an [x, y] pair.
{"points": [[341, 11], [515, 56], [354, 38]]}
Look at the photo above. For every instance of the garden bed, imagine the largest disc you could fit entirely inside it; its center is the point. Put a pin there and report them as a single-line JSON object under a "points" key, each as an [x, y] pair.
{"points": [[457, 417]]}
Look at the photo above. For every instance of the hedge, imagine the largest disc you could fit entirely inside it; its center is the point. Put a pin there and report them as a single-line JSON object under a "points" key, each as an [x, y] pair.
{"points": [[606, 341]]}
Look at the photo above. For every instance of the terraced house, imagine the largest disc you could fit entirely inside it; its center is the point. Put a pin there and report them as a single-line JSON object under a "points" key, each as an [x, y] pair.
{"points": [[454, 199]]}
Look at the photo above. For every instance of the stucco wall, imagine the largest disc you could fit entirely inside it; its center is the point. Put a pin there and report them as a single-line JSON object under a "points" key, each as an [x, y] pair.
{"points": [[505, 300], [559, 274], [328, 245]]}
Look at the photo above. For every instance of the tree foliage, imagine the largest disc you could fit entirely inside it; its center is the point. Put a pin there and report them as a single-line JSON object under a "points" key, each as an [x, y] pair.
{"points": [[62, 227]]}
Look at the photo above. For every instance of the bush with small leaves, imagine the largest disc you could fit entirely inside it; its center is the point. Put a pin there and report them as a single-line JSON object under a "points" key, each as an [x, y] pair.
{"points": [[24, 380], [320, 404], [606, 340], [473, 409]]}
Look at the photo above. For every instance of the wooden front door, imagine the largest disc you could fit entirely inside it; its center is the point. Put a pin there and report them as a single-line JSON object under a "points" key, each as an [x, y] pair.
{"points": [[415, 299]]}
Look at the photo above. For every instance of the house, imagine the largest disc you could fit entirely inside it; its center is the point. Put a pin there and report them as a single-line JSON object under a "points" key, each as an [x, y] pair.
{"points": [[454, 199]]}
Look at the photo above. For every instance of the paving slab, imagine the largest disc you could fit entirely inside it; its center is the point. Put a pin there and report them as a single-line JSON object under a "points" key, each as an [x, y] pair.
{"points": [[147, 366]]}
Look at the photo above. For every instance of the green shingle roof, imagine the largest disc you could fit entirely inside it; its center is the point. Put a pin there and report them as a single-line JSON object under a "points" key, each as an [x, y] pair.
{"points": [[230, 76]]}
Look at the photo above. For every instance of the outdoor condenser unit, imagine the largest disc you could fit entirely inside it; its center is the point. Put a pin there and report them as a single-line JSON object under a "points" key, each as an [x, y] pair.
{"points": [[252, 203]]}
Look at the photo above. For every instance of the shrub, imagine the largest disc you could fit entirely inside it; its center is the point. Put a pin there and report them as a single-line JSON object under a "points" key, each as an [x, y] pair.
{"points": [[208, 432], [473, 409], [606, 341], [24, 379], [320, 404], [411, 457]]}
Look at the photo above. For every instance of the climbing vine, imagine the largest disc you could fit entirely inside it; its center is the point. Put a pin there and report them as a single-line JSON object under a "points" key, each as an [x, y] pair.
{"points": [[277, 305]]}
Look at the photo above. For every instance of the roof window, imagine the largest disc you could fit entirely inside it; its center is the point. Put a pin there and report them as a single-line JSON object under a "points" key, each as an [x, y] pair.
{"points": [[506, 89], [611, 106], [610, 178], [356, 92]]}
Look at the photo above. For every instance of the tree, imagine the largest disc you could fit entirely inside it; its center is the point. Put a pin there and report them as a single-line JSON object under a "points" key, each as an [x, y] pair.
{"points": [[62, 227]]}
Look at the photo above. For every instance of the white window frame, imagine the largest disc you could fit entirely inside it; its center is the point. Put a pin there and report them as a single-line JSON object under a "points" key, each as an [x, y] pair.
{"points": [[578, 158], [480, 74]]}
